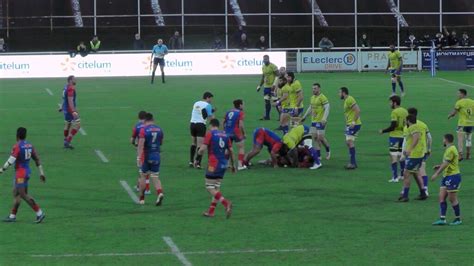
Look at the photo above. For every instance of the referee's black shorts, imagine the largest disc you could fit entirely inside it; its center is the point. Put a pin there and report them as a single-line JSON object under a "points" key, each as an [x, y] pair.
{"points": [[159, 61], [198, 129]]}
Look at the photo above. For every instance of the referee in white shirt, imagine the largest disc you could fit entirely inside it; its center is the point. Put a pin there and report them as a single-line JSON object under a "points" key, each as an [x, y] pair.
{"points": [[202, 110]]}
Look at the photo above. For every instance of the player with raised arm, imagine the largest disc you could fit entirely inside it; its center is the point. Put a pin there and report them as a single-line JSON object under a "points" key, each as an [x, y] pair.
{"points": [[202, 111], [234, 128], [395, 141], [451, 182], [353, 124], [134, 141], [150, 140], [269, 72], [158, 58], [319, 109], [394, 64], [265, 137], [69, 108], [217, 144], [465, 108], [22, 152]]}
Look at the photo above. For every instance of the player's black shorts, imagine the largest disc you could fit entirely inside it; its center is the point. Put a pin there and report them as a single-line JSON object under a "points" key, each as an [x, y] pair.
{"points": [[159, 61], [198, 129]]}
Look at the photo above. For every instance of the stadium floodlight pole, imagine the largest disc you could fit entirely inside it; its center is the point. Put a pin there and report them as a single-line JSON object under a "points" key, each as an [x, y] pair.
{"points": [[355, 27], [440, 15], [270, 24], [226, 26], [159, 19], [182, 21], [139, 26], [95, 17], [312, 27]]}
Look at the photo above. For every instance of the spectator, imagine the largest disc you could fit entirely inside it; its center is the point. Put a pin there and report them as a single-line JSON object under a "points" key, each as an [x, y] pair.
{"points": [[81, 49], [95, 44], [426, 41], [364, 41], [217, 45], [3, 46], [440, 41], [451, 38], [325, 44], [411, 42], [244, 43], [138, 43], [175, 42], [465, 40], [261, 43], [238, 34]]}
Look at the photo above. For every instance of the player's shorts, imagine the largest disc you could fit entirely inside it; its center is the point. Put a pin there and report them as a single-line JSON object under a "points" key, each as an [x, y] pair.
{"points": [[452, 183], [397, 72], [151, 164], [352, 131], [68, 117], [22, 176], [197, 129], [159, 61], [299, 111], [413, 164], [395, 144], [465, 129], [267, 91], [216, 172], [290, 111], [235, 136], [318, 125]]}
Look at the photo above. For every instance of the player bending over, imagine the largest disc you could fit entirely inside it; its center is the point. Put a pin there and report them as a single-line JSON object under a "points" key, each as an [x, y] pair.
{"points": [[451, 182], [465, 108], [234, 128], [353, 124], [158, 56], [217, 144], [134, 141], [265, 137], [69, 108], [22, 152], [150, 140]]}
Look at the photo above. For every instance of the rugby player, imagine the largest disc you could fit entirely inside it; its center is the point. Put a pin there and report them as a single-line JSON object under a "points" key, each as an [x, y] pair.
{"points": [[276, 90], [284, 104], [22, 152], [150, 140], [353, 124], [158, 56], [234, 128], [451, 182], [296, 94], [217, 144], [134, 141], [269, 72], [394, 64], [69, 108], [293, 139], [465, 108], [265, 137], [202, 110]]}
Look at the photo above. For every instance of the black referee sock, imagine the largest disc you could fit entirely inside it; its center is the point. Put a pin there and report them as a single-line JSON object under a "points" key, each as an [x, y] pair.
{"points": [[163, 77], [153, 77], [192, 152]]}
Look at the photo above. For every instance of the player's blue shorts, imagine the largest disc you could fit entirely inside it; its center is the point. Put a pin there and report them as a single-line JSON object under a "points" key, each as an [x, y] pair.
{"points": [[68, 117], [452, 183], [151, 164], [300, 111], [267, 91], [217, 172], [352, 131], [397, 72], [318, 125], [467, 130], [395, 144], [426, 157], [290, 111], [413, 164]]}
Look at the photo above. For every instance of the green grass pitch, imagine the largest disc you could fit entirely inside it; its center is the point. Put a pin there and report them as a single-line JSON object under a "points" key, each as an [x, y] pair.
{"points": [[281, 216]]}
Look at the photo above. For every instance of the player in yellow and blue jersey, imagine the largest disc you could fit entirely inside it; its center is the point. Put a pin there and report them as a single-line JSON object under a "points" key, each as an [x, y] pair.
{"points": [[395, 63], [353, 124], [465, 108], [451, 182], [269, 72]]}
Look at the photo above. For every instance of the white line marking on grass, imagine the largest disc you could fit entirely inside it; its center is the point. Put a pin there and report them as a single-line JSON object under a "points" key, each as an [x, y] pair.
{"points": [[203, 252], [82, 131], [49, 91], [129, 191], [455, 82], [101, 155], [175, 250]]}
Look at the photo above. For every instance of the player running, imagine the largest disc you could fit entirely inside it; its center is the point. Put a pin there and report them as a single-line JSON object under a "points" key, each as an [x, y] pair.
{"points": [[265, 137], [134, 141], [69, 108], [217, 144], [150, 140], [22, 152], [353, 124], [451, 181], [269, 72], [234, 128], [414, 151], [319, 108], [395, 140], [158, 58], [394, 64], [202, 110], [465, 107]]}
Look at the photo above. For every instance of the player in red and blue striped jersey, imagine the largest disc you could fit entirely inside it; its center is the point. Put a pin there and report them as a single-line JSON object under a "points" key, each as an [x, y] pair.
{"points": [[69, 108], [234, 128], [134, 141], [219, 146], [265, 137], [21, 154], [150, 140]]}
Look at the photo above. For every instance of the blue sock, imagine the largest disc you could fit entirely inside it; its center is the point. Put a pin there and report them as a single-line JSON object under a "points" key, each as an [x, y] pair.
{"points": [[406, 190], [318, 153], [352, 152], [443, 206], [315, 154], [425, 181], [394, 86], [457, 211], [394, 171], [400, 83], [268, 108], [402, 167]]}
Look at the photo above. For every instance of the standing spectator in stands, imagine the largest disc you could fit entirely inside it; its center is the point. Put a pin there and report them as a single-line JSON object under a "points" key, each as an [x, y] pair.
{"points": [[364, 41], [440, 41], [138, 43], [3, 46], [325, 44], [244, 43], [451, 38], [261, 43], [426, 41], [465, 40], [411, 42], [217, 45], [175, 42], [95, 44]]}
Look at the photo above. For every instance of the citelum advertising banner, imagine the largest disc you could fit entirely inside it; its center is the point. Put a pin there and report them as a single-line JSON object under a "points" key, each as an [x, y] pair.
{"points": [[328, 61], [136, 64], [377, 60]]}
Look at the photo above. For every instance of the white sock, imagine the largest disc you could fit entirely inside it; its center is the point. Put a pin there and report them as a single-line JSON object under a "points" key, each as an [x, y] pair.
{"points": [[39, 212], [12, 216]]}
